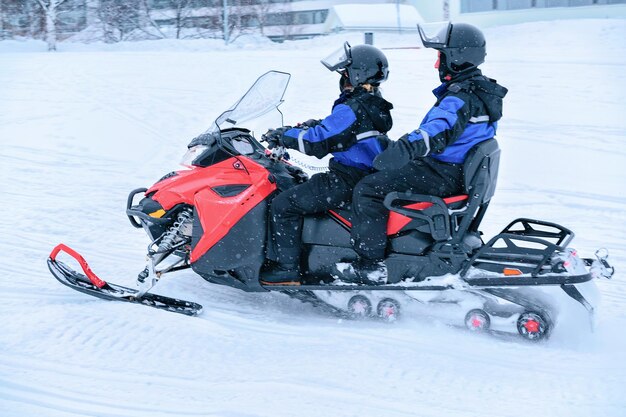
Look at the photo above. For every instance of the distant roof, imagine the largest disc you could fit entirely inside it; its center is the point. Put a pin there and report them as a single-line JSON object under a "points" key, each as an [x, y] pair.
{"points": [[374, 16]]}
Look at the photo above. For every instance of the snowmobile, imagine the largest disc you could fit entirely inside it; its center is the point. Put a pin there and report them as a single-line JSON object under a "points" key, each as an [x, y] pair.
{"points": [[212, 217]]}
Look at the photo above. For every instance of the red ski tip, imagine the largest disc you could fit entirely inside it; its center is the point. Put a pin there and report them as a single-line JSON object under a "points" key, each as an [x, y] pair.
{"points": [[83, 263]]}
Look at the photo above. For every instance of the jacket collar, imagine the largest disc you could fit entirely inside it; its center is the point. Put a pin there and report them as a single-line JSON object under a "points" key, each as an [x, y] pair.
{"points": [[443, 88]]}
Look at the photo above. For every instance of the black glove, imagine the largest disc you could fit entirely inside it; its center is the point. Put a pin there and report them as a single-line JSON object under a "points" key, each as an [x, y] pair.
{"points": [[397, 155], [203, 139], [384, 141], [309, 123], [274, 137]]}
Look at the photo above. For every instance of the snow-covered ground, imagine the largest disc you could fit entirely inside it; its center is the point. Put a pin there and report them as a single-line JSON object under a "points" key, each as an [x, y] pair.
{"points": [[82, 127]]}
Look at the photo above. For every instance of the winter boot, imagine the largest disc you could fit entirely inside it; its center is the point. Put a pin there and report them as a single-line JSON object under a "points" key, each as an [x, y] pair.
{"points": [[281, 274], [368, 272]]}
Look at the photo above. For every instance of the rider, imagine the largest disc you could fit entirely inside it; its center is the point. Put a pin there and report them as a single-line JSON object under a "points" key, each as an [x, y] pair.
{"points": [[349, 133], [429, 160]]}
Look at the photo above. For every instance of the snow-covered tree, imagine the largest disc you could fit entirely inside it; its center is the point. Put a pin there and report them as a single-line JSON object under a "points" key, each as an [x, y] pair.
{"points": [[50, 10]]}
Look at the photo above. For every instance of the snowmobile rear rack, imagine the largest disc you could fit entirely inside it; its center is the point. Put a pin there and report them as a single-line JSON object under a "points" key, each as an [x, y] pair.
{"points": [[562, 235], [530, 248]]}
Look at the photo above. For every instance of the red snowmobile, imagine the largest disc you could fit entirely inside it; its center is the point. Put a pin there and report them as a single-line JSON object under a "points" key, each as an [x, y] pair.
{"points": [[212, 217]]}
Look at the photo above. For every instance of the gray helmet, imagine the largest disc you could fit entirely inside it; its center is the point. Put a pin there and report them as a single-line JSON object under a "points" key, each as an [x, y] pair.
{"points": [[462, 46], [364, 64]]}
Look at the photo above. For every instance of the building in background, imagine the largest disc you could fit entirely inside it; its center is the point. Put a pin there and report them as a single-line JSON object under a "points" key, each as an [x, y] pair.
{"points": [[485, 13], [115, 20], [290, 19]]}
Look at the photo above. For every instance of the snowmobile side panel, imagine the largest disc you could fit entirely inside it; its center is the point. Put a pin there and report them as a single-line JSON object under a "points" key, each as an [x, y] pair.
{"points": [[238, 256], [217, 214]]}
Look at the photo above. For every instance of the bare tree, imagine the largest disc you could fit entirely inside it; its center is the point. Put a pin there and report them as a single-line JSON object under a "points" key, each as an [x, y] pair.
{"points": [[261, 9], [288, 26], [146, 20], [3, 34], [118, 17], [247, 16], [50, 9], [181, 10], [181, 13], [233, 26]]}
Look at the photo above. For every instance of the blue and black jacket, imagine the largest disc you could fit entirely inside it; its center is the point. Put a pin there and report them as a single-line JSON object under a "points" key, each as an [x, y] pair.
{"points": [[466, 113], [348, 133]]}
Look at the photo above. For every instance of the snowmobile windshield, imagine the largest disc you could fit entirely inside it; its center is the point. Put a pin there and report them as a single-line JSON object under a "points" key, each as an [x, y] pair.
{"points": [[339, 59], [434, 35], [265, 95]]}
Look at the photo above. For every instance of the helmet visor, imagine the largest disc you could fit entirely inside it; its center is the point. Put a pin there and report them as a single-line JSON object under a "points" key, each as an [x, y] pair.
{"points": [[339, 59], [435, 35]]}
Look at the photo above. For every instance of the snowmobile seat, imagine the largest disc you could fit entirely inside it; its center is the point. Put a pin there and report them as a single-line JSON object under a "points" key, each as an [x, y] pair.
{"points": [[453, 218]]}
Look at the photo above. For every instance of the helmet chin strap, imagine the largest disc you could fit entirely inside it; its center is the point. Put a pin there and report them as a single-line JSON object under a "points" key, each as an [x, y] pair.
{"points": [[344, 82], [442, 67]]}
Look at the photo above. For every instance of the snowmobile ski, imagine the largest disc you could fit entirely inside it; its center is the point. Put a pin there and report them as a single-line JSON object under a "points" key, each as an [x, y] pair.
{"points": [[90, 284]]}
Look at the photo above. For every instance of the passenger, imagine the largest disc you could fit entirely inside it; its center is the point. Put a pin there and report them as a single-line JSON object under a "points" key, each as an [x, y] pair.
{"points": [[429, 160], [349, 133]]}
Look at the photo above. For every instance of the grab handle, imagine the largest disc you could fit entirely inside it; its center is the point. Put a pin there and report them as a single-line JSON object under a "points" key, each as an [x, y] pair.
{"points": [[83, 263]]}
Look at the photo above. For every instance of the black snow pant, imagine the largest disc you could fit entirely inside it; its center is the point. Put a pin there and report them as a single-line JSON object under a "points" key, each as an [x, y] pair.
{"points": [[322, 192], [421, 176]]}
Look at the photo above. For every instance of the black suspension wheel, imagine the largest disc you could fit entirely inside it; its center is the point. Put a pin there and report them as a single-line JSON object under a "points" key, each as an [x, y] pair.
{"points": [[477, 320], [388, 309], [360, 307], [533, 326]]}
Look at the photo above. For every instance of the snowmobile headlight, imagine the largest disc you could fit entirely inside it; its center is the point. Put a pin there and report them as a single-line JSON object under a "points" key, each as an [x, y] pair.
{"points": [[192, 154], [157, 214]]}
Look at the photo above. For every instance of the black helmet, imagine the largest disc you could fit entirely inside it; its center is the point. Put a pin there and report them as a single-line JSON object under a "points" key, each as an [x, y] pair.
{"points": [[462, 46], [364, 64]]}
